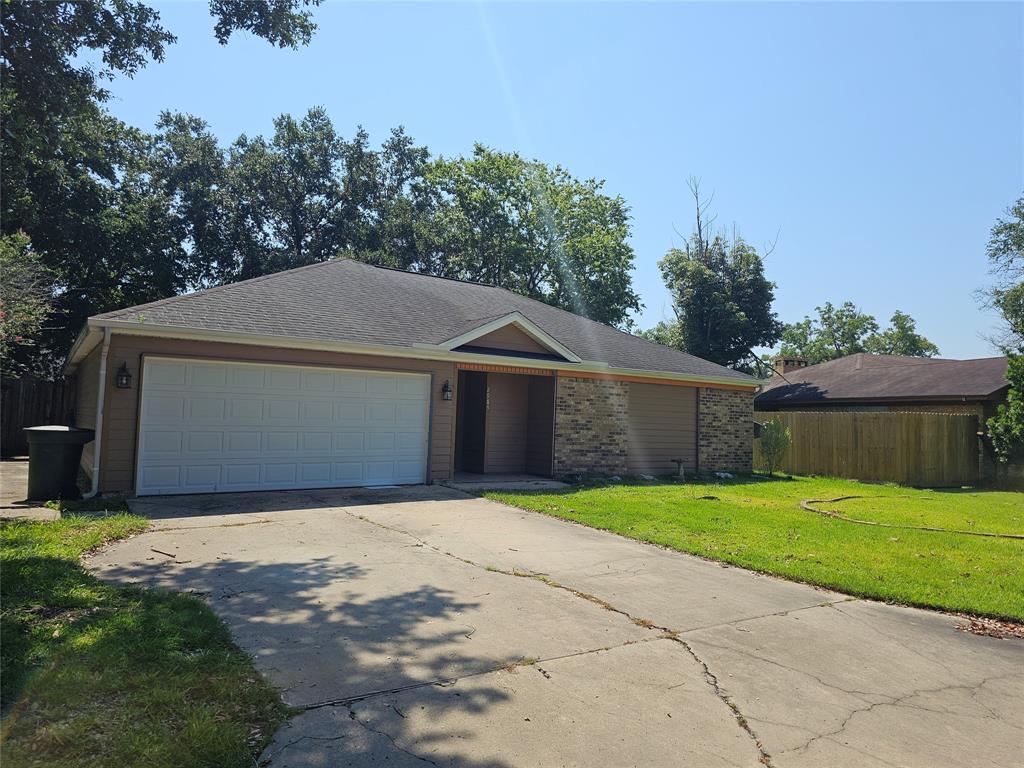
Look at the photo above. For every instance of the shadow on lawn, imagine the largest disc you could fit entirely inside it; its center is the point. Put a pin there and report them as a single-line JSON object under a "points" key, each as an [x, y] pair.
{"points": [[321, 647]]}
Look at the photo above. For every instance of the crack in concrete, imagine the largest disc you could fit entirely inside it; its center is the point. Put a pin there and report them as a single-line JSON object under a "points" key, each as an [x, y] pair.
{"points": [[898, 640], [394, 742], [205, 527], [897, 701], [444, 682], [750, 654], [270, 758], [786, 612], [666, 633]]}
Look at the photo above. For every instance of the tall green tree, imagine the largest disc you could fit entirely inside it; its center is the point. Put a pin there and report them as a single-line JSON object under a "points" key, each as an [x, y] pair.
{"points": [[76, 180], [720, 295], [26, 295], [900, 338], [534, 229], [1006, 259], [1006, 262], [845, 330]]}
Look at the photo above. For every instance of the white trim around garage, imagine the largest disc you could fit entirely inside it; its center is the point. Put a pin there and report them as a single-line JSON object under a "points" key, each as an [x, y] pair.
{"points": [[214, 426]]}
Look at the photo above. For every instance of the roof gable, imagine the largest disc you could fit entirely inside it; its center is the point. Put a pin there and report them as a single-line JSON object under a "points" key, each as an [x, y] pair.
{"points": [[512, 332]]}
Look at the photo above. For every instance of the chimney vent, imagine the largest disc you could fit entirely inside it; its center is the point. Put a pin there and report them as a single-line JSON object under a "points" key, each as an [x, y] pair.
{"points": [[788, 363]]}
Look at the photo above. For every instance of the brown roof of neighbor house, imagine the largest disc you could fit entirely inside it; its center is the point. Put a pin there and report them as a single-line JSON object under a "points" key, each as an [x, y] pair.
{"points": [[350, 301], [888, 377]]}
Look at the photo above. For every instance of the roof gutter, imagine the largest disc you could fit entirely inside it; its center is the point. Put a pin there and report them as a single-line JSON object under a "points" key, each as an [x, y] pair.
{"points": [[419, 352], [100, 392]]}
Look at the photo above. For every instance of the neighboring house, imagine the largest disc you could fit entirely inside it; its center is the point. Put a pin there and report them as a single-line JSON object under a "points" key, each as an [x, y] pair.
{"points": [[865, 382], [348, 374]]}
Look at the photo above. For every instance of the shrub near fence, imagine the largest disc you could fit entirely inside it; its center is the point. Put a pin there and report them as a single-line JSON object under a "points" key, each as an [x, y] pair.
{"points": [[923, 449], [30, 402]]}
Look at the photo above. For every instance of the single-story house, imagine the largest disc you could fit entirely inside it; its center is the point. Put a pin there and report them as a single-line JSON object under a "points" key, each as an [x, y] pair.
{"points": [[865, 382], [347, 374]]}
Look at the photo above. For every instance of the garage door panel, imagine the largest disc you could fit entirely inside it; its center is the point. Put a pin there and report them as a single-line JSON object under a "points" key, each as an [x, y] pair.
{"points": [[245, 410], [205, 409], [205, 442], [210, 375], [346, 442], [275, 474], [202, 476], [247, 377], [245, 442], [247, 475], [167, 408], [217, 426], [281, 442], [318, 381], [380, 413], [284, 410], [162, 442], [166, 373], [315, 473], [283, 379], [317, 442], [317, 411]]}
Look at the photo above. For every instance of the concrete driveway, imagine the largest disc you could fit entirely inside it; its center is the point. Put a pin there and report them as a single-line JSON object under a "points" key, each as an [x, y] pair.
{"points": [[420, 626]]}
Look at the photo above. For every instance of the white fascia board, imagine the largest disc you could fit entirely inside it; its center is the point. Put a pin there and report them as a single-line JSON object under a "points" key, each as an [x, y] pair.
{"points": [[524, 324], [85, 343], [135, 328]]}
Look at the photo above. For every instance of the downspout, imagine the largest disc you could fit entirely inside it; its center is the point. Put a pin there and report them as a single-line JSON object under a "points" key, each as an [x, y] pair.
{"points": [[98, 440]]}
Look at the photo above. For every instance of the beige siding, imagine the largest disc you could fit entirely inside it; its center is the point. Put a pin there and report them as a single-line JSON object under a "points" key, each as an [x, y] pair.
{"points": [[86, 388], [121, 408], [507, 401], [511, 338], [662, 427]]}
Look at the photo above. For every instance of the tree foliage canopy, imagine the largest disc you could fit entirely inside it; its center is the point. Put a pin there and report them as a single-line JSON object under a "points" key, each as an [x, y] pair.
{"points": [[844, 330], [720, 295], [1006, 258], [121, 216], [1006, 261], [26, 294]]}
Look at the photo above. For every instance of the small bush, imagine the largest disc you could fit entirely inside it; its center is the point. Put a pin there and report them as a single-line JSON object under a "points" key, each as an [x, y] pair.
{"points": [[775, 439]]}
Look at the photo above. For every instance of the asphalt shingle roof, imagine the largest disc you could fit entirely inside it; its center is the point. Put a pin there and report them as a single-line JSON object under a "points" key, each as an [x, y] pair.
{"points": [[884, 377], [349, 301]]}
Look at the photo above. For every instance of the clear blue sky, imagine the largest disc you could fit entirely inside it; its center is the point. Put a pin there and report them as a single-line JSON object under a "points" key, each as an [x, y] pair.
{"points": [[879, 142]]}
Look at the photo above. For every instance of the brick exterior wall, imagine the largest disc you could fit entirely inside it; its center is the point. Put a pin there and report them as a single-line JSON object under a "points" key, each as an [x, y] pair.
{"points": [[591, 427], [725, 431]]}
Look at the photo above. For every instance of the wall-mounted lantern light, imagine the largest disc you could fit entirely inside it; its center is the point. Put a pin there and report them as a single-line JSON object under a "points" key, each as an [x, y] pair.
{"points": [[123, 379], [446, 390]]}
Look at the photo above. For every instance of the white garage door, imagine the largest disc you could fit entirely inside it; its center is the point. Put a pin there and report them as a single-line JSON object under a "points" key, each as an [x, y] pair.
{"points": [[211, 426]]}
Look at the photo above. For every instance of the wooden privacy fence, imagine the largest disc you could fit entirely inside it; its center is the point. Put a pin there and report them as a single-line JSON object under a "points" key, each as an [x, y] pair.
{"points": [[924, 449], [29, 402]]}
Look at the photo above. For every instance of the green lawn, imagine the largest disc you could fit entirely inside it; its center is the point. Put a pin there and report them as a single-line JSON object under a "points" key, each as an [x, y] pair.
{"points": [[757, 523], [95, 674]]}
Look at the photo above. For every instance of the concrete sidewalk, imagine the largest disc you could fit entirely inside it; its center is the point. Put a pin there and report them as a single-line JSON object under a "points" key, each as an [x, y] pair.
{"points": [[14, 489], [420, 625]]}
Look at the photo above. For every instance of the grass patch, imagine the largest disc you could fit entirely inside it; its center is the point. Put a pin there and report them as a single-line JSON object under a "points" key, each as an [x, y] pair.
{"points": [[103, 675], [757, 523]]}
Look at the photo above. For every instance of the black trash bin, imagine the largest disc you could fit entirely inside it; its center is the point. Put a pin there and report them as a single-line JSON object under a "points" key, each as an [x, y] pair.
{"points": [[54, 453]]}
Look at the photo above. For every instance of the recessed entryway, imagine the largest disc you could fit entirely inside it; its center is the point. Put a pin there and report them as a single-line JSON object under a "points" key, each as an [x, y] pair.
{"points": [[504, 423]]}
